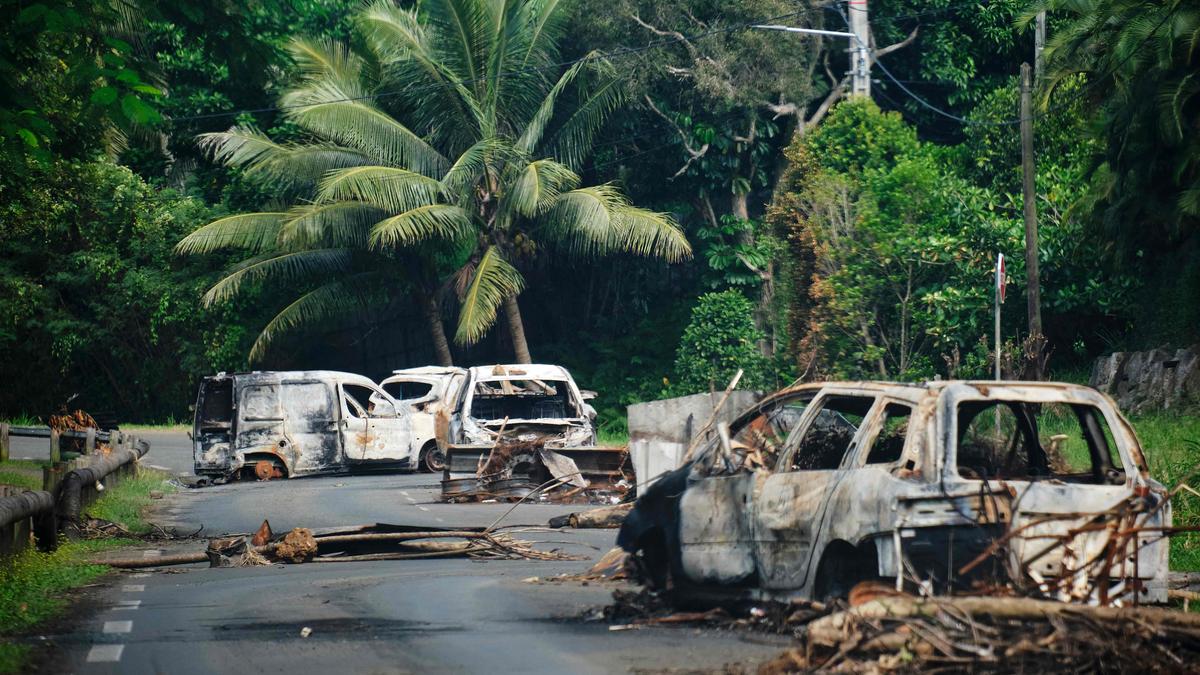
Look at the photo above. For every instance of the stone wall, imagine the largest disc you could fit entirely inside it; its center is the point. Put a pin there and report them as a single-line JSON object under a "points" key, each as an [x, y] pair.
{"points": [[1159, 379]]}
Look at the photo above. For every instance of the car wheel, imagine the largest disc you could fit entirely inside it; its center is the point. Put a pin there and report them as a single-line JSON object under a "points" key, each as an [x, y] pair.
{"points": [[842, 567], [433, 460]]}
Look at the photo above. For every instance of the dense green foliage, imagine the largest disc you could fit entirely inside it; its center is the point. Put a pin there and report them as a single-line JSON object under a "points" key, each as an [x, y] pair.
{"points": [[854, 243]]}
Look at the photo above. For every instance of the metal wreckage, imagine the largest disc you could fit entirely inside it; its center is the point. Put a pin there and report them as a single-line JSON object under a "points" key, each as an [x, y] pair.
{"points": [[1033, 489], [495, 432]]}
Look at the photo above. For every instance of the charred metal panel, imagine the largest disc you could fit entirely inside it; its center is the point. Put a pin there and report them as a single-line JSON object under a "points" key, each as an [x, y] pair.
{"points": [[715, 533]]}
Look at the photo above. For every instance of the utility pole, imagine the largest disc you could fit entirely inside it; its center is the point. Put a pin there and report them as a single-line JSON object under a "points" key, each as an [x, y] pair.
{"points": [[1039, 44], [1029, 190], [860, 49]]}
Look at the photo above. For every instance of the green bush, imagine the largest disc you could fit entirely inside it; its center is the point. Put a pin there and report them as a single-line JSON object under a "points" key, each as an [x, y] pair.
{"points": [[720, 338]]}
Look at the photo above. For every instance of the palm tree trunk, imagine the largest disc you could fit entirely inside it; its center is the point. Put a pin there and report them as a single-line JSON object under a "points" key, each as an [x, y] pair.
{"points": [[516, 330], [437, 331]]}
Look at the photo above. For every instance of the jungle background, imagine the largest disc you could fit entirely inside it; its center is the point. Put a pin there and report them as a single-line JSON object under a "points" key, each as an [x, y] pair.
{"points": [[829, 237]]}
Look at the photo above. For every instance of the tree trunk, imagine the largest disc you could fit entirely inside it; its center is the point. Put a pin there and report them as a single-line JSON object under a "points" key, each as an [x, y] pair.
{"points": [[740, 208], [516, 330], [437, 331]]}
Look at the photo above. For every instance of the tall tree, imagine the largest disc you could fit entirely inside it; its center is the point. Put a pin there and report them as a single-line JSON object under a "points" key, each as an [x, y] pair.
{"points": [[1141, 61], [445, 127]]}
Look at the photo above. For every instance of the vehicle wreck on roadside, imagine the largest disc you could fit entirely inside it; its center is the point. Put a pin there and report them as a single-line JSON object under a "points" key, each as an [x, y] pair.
{"points": [[429, 392], [517, 427], [297, 423], [948, 486]]}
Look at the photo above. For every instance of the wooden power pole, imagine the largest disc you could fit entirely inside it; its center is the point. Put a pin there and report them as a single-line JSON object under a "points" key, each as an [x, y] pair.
{"points": [[1033, 288]]}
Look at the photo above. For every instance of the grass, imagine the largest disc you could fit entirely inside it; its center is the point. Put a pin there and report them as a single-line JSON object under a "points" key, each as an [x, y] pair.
{"points": [[612, 438], [126, 502], [22, 473], [169, 425], [1171, 442], [32, 583]]}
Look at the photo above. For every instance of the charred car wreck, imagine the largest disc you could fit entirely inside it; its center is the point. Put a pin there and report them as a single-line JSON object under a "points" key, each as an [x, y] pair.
{"points": [[947, 485], [518, 427], [288, 424]]}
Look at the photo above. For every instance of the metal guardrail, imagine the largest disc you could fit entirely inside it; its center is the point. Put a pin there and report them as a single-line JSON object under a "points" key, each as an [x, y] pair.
{"points": [[66, 485]]}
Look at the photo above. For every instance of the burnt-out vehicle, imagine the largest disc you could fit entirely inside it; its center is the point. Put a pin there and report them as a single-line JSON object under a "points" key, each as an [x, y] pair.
{"points": [[946, 484], [517, 413], [430, 393], [298, 423]]}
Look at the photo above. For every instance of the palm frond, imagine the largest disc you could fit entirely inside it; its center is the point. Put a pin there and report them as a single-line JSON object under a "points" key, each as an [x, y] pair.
{"points": [[328, 60], [532, 134], [301, 162], [494, 280], [462, 31], [440, 221], [537, 187], [473, 163], [323, 109], [341, 224], [571, 142], [279, 267], [599, 220], [388, 188], [334, 300], [251, 231]]}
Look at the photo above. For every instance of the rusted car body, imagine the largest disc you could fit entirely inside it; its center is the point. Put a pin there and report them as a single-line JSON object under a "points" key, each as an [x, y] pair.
{"points": [[946, 484], [524, 410], [430, 393], [298, 423]]}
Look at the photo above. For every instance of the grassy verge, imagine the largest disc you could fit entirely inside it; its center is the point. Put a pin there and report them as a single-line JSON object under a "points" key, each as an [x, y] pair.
{"points": [[22, 473], [1171, 442], [614, 439], [32, 584]]}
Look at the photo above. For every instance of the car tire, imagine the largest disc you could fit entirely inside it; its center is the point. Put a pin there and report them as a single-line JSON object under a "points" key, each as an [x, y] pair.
{"points": [[432, 459]]}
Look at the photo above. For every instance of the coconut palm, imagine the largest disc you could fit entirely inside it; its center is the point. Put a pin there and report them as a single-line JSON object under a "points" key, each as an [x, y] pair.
{"points": [[450, 132], [1142, 64]]}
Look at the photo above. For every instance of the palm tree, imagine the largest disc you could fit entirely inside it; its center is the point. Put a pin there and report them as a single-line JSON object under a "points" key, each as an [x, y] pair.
{"points": [[444, 135], [1142, 66]]}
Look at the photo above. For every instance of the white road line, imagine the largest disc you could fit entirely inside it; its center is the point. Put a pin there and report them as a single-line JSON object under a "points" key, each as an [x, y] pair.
{"points": [[411, 500], [151, 553], [440, 520], [139, 575], [105, 653], [404, 493], [422, 508], [118, 626], [133, 588], [128, 604]]}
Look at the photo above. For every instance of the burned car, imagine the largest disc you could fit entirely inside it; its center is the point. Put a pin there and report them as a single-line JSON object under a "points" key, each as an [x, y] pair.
{"points": [[288, 424], [946, 485], [430, 393], [517, 426]]}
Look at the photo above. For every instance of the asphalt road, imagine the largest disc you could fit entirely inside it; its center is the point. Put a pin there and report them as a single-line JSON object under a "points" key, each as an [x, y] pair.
{"points": [[427, 616]]}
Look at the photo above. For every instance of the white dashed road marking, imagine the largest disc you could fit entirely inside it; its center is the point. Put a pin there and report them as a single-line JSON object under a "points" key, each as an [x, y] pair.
{"points": [[133, 588], [422, 508], [151, 553], [118, 626], [139, 575], [105, 653], [128, 604], [411, 500]]}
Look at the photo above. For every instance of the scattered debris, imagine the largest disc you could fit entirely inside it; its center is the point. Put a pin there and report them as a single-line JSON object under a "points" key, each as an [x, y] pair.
{"points": [[305, 632], [263, 534], [908, 634], [603, 517], [371, 542]]}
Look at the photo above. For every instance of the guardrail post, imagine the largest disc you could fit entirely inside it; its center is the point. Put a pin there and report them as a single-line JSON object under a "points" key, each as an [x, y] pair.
{"points": [[55, 452], [4, 443], [89, 444]]}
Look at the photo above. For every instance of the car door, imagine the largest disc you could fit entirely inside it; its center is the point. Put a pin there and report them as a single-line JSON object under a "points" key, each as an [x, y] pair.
{"points": [[715, 531], [792, 503], [373, 427]]}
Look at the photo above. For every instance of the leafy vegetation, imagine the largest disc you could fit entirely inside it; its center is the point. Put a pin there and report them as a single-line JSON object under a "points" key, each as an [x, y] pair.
{"points": [[32, 583]]}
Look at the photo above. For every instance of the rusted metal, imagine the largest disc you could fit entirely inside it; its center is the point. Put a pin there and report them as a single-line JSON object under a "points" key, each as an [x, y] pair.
{"points": [[529, 424], [916, 483]]}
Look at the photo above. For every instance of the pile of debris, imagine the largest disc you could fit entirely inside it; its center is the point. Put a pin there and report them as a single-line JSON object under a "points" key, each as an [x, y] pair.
{"points": [[985, 634], [380, 541], [526, 470]]}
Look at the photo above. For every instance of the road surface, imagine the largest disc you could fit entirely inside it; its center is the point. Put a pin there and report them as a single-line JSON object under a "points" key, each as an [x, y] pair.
{"points": [[171, 451], [426, 616]]}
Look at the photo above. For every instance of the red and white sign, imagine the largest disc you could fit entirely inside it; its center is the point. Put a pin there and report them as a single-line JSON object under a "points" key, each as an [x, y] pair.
{"points": [[1000, 276]]}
